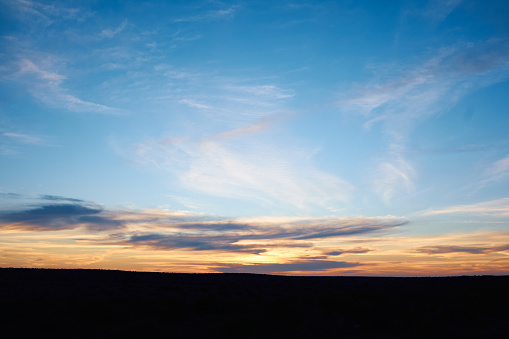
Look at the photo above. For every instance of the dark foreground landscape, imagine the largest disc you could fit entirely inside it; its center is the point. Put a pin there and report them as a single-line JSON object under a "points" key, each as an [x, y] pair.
{"points": [[110, 304]]}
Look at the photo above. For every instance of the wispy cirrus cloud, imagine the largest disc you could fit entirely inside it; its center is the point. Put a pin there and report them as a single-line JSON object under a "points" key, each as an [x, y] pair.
{"points": [[210, 15], [394, 176], [40, 13], [497, 171], [230, 166], [266, 92], [110, 33], [438, 10], [23, 138], [235, 152], [47, 86], [12, 143], [401, 96], [499, 207]]}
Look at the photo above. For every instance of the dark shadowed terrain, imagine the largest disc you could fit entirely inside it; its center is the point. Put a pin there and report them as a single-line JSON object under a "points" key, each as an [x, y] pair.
{"points": [[107, 304]]}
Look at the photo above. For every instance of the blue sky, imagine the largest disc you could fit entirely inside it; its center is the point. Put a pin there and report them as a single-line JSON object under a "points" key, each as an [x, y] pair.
{"points": [[381, 120]]}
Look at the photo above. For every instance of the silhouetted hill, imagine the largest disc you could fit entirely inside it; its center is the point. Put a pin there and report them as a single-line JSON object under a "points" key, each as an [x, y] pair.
{"points": [[107, 304]]}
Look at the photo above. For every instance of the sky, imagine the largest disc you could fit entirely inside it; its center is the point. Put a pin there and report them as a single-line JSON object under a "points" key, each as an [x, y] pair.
{"points": [[279, 137]]}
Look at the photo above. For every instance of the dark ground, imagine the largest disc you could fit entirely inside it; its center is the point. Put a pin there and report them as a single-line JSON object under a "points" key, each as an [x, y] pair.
{"points": [[47, 303]]}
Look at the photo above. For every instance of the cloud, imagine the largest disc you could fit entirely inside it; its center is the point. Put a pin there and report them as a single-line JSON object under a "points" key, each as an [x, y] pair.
{"points": [[24, 138], [12, 143], [244, 131], [328, 232], [394, 176], [60, 198], [355, 250], [193, 242], [32, 10], [498, 170], [110, 33], [236, 164], [210, 15], [314, 265], [215, 226], [194, 104], [47, 217], [318, 228], [255, 235], [50, 217], [154, 232], [39, 14], [46, 86], [266, 92], [494, 208], [462, 249], [438, 10], [401, 96]]}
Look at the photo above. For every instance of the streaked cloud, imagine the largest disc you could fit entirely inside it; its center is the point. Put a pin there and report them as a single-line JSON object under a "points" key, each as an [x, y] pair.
{"points": [[393, 177], [210, 15], [237, 164], [267, 92], [462, 249], [325, 139], [499, 207], [255, 236], [192, 242], [47, 87], [438, 10], [60, 198], [41, 13], [498, 170], [12, 143], [168, 230], [47, 217], [401, 96], [24, 138], [185, 241], [308, 266], [258, 173], [110, 33], [354, 250]]}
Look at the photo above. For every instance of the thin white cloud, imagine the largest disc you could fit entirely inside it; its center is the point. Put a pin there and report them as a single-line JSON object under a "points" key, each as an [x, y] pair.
{"points": [[46, 86], [210, 15], [193, 104], [438, 10], [39, 13], [28, 67], [401, 96], [110, 33], [30, 9], [243, 131], [23, 138], [7, 150], [494, 208], [221, 101], [393, 177], [258, 173], [269, 92], [498, 170], [232, 164]]}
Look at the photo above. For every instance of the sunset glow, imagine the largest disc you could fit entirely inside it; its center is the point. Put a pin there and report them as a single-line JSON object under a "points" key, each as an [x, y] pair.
{"points": [[301, 138]]}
